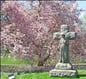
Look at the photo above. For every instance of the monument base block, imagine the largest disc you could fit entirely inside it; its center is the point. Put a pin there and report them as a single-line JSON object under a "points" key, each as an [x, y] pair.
{"points": [[62, 73], [63, 69], [64, 66]]}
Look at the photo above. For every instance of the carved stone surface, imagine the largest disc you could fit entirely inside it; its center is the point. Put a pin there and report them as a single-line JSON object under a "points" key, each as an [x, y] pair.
{"points": [[69, 73], [64, 67], [64, 36]]}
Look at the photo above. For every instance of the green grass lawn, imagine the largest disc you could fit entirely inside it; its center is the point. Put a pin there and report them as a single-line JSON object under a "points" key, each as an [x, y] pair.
{"points": [[11, 60], [44, 75]]}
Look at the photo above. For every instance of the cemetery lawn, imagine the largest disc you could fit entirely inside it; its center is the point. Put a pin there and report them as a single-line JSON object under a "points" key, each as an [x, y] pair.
{"points": [[12, 60], [44, 75]]}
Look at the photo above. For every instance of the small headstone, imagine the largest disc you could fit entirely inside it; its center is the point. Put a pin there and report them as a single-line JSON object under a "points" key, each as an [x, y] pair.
{"points": [[9, 56], [11, 76], [14, 58]]}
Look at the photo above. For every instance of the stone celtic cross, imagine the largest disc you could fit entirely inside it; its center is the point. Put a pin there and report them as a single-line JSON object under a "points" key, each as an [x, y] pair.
{"points": [[64, 67], [64, 36]]}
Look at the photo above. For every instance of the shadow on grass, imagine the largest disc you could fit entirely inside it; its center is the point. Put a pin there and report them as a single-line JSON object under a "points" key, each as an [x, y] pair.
{"points": [[82, 75], [65, 77]]}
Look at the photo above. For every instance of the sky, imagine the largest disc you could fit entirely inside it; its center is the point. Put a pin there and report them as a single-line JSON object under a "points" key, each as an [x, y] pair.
{"points": [[82, 4]]}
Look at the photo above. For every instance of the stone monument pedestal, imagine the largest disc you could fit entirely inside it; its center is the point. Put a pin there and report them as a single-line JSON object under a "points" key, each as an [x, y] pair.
{"points": [[63, 69]]}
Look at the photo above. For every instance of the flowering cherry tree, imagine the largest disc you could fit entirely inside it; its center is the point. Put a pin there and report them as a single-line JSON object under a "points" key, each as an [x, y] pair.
{"points": [[29, 32]]}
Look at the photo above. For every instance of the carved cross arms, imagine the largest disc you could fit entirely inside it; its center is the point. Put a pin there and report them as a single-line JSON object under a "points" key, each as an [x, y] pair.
{"points": [[68, 35]]}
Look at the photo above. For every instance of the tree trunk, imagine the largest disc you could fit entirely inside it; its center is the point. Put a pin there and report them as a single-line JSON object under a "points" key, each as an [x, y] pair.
{"points": [[40, 63], [42, 59]]}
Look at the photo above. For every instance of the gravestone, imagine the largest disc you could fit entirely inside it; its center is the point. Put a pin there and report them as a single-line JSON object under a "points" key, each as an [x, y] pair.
{"points": [[11, 76], [64, 67]]}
